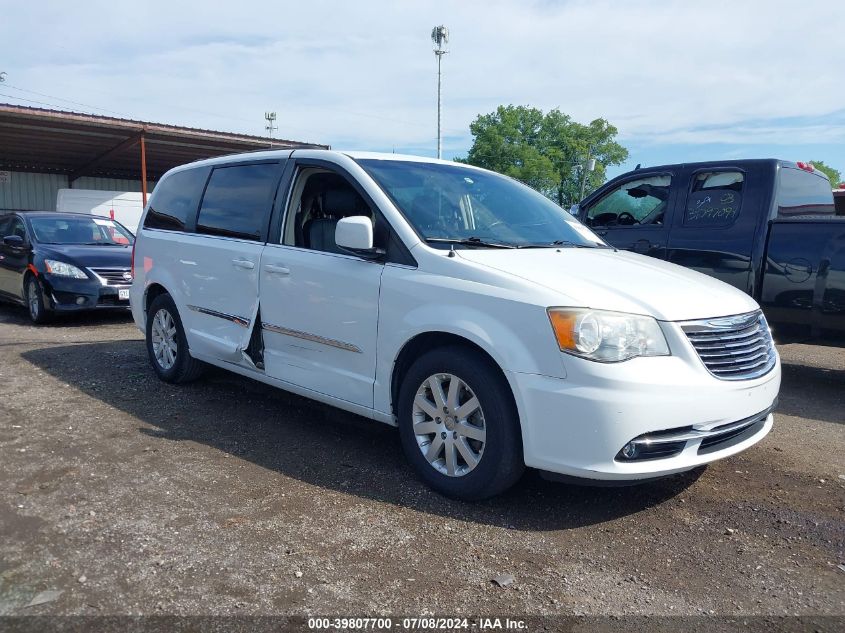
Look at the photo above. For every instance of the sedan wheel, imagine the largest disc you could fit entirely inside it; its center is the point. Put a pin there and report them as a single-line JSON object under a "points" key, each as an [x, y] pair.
{"points": [[449, 425], [165, 346], [33, 300]]}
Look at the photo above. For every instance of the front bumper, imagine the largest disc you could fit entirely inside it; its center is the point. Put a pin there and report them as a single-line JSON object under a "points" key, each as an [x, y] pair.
{"points": [[66, 294], [577, 426]]}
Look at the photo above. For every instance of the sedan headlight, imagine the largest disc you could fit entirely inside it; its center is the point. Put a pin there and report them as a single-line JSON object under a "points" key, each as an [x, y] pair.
{"points": [[608, 337], [63, 269]]}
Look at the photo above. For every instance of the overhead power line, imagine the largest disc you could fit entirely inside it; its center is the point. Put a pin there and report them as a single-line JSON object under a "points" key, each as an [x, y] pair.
{"points": [[52, 105], [55, 98]]}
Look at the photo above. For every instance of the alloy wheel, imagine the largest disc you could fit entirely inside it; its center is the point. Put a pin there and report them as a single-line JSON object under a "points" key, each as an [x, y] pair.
{"points": [[32, 300], [164, 341], [448, 423]]}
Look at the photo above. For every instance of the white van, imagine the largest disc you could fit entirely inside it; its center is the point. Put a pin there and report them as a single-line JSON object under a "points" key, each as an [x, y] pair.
{"points": [[489, 325], [124, 206]]}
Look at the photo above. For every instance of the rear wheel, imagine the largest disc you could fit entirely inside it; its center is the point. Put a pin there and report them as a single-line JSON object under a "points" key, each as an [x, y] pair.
{"points": [[459, 425], [167, 346], [38, 312]]}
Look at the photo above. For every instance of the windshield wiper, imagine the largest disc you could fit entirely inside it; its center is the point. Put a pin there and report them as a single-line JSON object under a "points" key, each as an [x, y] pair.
{"points": [[565, 244], [468, 241]]}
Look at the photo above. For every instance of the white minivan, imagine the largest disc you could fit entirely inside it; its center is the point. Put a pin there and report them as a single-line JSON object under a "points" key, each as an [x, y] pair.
{"points": [[488, 324]]}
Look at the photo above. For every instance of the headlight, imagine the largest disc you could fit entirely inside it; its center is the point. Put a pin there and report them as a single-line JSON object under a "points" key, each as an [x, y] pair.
{"points": [[607, 337], [63, 269]]}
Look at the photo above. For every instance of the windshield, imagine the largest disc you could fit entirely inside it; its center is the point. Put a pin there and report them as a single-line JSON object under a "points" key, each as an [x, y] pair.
{"points": [[80, 230], [451, 204]]}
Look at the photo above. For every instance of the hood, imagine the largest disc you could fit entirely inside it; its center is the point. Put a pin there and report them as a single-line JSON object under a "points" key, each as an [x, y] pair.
{"points": [[88, 256], [625, 282]]}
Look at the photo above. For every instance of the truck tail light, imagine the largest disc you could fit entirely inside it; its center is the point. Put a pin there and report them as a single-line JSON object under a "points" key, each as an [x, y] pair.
{"points": [[805, 166]]}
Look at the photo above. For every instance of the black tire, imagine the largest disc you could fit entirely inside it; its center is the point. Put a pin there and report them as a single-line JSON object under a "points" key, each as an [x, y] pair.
{"points": [[185, 367], [501, 463], [33, 296]]}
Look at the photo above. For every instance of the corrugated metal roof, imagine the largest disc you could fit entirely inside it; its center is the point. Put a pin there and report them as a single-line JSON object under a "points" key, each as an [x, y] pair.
{"points": [[73, 143]]}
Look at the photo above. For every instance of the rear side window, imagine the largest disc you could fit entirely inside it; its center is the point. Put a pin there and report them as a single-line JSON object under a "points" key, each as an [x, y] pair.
{"points": [[175, 199], [715, 199], [803, 193], [238, 201]]}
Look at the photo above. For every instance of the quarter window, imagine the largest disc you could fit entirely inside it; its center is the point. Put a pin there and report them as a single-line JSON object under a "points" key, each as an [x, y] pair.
{"points": [[803, 193], [715, 198], [238, 201], [638, 202], [174, 201]]}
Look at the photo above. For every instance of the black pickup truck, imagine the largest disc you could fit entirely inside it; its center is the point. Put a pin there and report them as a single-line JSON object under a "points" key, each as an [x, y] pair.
{"points": [[767, 227]]}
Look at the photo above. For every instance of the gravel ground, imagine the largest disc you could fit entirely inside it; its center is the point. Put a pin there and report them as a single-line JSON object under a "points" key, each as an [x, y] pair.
{"points": [[130, 496]]}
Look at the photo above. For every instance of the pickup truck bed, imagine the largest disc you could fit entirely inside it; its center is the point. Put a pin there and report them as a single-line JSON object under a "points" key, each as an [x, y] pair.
{"points": [[804, 278]]}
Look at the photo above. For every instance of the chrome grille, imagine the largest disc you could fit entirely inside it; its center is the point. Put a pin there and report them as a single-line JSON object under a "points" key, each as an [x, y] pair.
{"points": [[733, 348], [112, 276]]}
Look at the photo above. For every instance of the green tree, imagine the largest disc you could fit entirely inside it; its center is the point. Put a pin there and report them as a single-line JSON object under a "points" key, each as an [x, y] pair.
{"points": [[834, 174], [547, 151]]}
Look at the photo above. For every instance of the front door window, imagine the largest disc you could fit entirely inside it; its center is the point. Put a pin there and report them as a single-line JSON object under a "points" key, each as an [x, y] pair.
{"points": [[641, 202], [320, 199]]}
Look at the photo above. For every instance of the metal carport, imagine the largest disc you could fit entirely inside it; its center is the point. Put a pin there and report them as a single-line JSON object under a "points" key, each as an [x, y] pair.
{"points": [[78, 145]]}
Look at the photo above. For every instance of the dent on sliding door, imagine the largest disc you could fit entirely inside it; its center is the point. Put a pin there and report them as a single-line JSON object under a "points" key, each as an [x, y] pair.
{"points": [[222, 282]]}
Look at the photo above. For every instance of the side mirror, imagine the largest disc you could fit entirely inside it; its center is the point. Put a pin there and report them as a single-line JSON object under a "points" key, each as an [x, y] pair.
{"points": [[15, 241], [575, 209], [355, 235]]}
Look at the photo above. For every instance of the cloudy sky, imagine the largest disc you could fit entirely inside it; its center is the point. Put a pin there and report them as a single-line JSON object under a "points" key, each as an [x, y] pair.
{"points": [[681, 80]]}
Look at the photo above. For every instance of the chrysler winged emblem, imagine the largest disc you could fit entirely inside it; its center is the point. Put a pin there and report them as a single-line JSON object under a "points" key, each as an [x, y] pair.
{"points": [[734, 322]]}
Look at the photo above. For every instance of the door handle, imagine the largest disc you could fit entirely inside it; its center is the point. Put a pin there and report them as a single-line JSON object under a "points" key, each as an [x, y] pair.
{"points": [[642, 246], [279, 270], [243, 263]]}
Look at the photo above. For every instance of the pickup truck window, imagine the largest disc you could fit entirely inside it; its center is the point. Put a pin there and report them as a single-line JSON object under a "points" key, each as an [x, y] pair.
{"points": [[715, 199], [451, 205], [634, 203], [238, 200], [803, 193]]}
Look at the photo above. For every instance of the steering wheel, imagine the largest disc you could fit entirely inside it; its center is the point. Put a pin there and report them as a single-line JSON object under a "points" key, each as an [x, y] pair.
{"points": [[628, 216]]}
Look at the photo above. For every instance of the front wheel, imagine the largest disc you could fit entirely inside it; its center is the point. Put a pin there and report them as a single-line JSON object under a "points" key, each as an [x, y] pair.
{"points": [[38, 312], [459, 425], [167, 346]]}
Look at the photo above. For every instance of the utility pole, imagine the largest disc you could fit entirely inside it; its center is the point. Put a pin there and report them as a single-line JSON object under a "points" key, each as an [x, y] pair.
{"points": [[589, 166], [440, 38]]}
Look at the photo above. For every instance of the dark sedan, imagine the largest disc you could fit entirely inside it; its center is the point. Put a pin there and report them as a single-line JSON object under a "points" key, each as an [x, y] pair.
{"points": [[64, 262]]}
